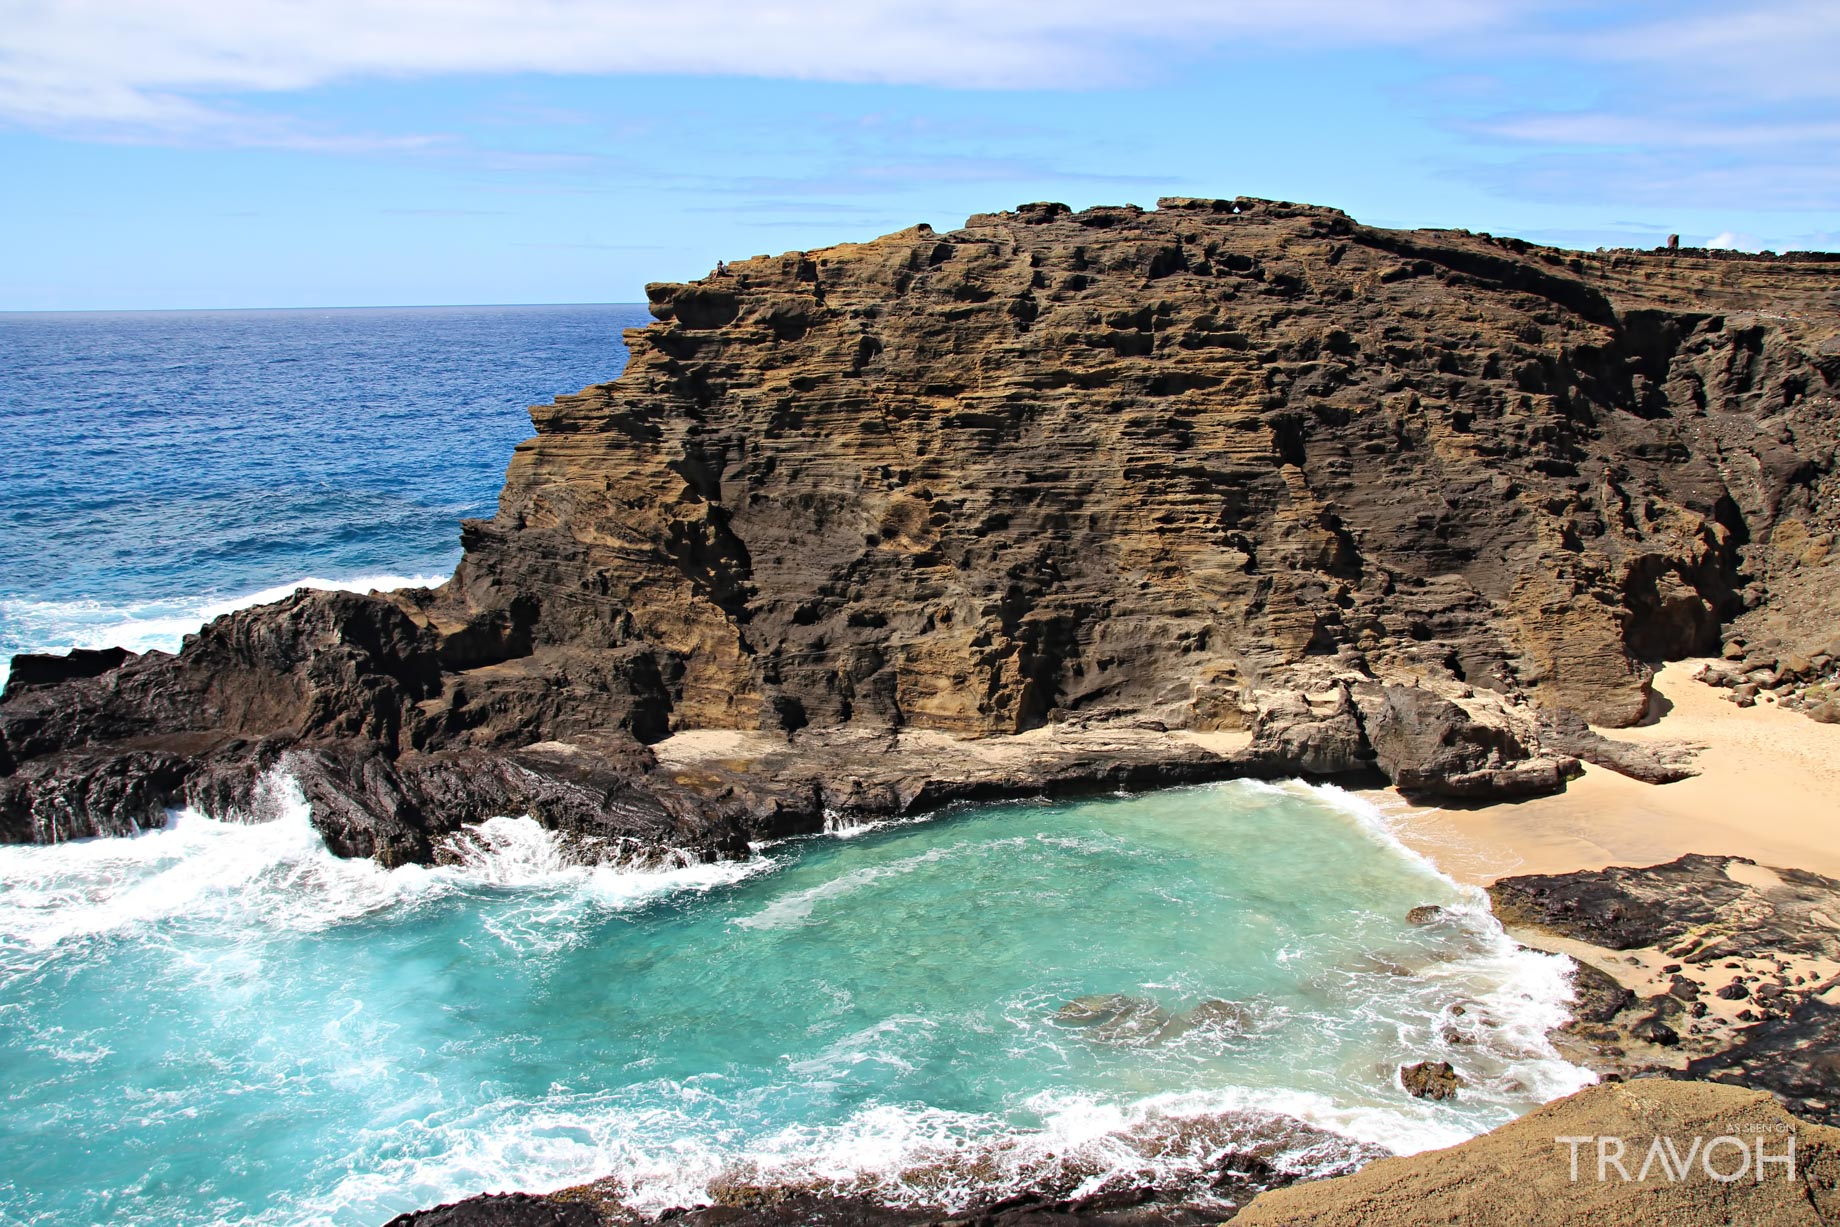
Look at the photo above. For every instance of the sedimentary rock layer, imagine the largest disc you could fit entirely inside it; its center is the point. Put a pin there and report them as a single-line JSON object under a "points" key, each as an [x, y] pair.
{"points": [[1415, 502]]}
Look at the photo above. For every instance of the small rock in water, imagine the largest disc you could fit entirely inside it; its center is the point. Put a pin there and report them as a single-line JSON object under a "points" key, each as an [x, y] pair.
{"points": [[1431, 1080], [1425, 914], [1214, 1016], [1114, 1016]]}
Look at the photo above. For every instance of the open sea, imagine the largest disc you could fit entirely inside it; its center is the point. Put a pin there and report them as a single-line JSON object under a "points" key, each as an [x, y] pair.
{"points": [[223, 1023]]}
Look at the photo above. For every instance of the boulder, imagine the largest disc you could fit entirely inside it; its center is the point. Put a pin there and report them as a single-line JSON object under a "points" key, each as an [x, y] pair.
{"points": [[1431, 1080]]}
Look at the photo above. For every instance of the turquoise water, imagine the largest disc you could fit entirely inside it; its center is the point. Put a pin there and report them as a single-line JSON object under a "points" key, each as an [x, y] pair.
{"points": [[223, 1023]]}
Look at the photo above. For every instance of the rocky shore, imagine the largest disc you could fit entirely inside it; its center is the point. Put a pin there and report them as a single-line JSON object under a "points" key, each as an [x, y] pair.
{"points": [[1119, 498], [1418, 504], [1707, 998]]}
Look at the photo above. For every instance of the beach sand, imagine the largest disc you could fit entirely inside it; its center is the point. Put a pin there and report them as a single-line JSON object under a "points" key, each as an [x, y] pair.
{"points": [[1768, 789]]}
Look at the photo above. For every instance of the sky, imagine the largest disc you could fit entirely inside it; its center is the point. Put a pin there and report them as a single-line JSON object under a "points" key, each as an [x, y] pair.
{"points": [[266, 153]]}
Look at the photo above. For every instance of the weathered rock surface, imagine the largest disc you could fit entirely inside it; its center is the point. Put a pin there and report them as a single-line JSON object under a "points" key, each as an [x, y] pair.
{"points": [[1431, 1080], [1210, 1165], [1378, 499], [501, 1210], [1521, 1174], [1698, 908], [1761, 945]]}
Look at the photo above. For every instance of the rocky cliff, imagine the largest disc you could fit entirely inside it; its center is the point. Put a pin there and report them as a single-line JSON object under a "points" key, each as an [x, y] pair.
{"points": [[1348, 498]]}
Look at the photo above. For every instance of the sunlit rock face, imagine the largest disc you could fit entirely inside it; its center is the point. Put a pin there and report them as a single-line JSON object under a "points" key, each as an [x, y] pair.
{"points": [[1058, 463], [1415, 502]]}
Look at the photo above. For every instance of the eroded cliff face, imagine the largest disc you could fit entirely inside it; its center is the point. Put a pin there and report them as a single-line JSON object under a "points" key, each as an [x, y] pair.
{"points": [[1061, 463], [1405, 500]]}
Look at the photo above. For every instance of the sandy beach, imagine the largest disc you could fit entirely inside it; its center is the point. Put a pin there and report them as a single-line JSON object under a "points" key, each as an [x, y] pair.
{"points": [[1768, 789]]}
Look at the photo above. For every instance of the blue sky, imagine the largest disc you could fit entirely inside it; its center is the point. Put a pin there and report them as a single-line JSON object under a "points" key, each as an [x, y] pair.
{"points": [[223, 153]]}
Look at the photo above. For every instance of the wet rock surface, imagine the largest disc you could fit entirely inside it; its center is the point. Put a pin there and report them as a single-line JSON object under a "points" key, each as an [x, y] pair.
{"points": [[1375, 501], [1244, 1154], [501, 1210], [1431, 1080]]}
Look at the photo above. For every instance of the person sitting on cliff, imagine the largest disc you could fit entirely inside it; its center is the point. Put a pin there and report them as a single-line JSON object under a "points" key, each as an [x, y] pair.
{"points": [[721, 268]]}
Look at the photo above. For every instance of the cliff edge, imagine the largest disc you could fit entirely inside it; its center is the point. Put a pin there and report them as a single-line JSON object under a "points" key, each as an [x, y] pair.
{"points": [[1227, 487]]}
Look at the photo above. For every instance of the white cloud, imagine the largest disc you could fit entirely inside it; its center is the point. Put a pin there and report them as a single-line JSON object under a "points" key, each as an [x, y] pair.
{"points": [[1727, 240], [1658, 131], [1761, 51], [156, 64]]}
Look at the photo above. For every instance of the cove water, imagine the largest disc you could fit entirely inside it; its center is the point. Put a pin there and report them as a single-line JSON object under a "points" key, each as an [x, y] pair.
{"points": [[220, 1023], [224, 1023]]}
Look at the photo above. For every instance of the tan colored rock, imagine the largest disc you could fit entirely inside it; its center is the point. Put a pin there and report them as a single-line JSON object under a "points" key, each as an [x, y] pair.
{"points": [[1196, 468], [1524, 1174]]}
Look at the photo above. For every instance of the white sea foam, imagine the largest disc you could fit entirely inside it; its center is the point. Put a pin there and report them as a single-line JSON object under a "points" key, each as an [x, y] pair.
{"points": [[141, 626], [669, 1147], [279, 875], [902, 1154], [796, 907], [1524, 994]]}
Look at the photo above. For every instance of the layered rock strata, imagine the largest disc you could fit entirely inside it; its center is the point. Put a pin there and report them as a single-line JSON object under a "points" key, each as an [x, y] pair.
{"points": [[1407, 502]]}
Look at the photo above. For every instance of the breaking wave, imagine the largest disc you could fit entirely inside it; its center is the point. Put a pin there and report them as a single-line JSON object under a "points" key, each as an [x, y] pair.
{"points": [[883, 1015], [154, 625]]}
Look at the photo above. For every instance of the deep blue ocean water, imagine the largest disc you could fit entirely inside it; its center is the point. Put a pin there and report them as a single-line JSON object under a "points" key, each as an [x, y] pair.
{"points": [[223, 1023], [161, 465]]}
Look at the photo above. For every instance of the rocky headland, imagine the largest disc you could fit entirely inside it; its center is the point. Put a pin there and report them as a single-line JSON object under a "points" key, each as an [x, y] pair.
{"points": [[1319, 497], [1071, 501]]}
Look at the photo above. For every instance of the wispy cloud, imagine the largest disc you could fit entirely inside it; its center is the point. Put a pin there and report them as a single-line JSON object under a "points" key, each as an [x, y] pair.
{"points": [[1690, 100], [164, 64]]}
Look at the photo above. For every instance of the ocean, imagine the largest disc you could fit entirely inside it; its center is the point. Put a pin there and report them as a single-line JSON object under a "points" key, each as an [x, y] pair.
{"points": [[163, 467], [223, 1023]]}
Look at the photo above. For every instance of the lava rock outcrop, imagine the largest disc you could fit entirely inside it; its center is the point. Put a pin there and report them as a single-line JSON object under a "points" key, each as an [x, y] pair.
{"points": [[1418, 503]]}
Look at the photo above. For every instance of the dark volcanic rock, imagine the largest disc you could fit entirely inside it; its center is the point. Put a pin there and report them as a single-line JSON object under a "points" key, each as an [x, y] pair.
{"points": [[31, 669], [1691, 905], [1376, 499], [1596, 996], [1796, 1058], [1431, 1080], [501, 1210]]}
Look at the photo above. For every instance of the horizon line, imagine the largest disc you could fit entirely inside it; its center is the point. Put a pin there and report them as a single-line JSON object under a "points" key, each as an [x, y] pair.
{"points": [[433, 306]]}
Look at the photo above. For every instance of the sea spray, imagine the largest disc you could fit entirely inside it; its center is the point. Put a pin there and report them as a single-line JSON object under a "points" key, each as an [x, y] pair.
{"points": [[157, 625]]}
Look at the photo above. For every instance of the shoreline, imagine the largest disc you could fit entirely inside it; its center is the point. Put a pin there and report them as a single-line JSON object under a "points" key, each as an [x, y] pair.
{"points": [[1768, 790]]}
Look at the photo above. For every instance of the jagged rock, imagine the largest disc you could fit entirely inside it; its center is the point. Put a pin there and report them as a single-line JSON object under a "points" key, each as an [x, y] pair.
{"points": [[1519, 1174], [1597, 997], [502, 1210], [1114, 467], [1431, 745], [1568, 733], [30, 669], [1431, 1080], [1693, 899]]}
